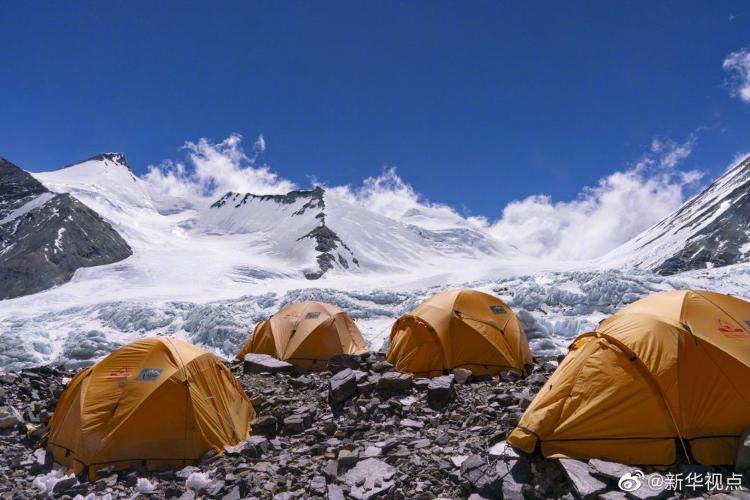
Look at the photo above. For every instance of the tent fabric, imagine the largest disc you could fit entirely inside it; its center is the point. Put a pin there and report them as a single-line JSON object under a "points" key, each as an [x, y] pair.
{"points": [[306, 334], [665, 377], [155, 401], [459, 329]]}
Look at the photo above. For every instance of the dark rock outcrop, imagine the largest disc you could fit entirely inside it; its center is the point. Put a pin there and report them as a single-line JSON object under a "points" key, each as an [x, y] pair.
{"points": [[42, 245]]}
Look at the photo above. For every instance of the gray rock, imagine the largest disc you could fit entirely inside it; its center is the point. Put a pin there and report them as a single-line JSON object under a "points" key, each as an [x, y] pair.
{"points": [[45, 246], [411, 424], [647, 490], [265, 425], [503, 450], [342, 386], [185, 472], [369, 478], [339, 362], [461, 375], [234, 494], [440, 391], [742, 459], [256, 446], [394, 383], [318, 484], [334, 492], [263, 363], [613, 495], [64, 485], [347, 458], [609, 470], [295, 424], [9, 417], [483, 477], [580, 478]]}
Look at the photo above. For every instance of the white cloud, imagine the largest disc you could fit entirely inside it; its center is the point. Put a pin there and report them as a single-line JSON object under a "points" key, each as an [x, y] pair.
{"points": [[619, 207], [388, 194], [260, 144], [737, 64], [215, 168]]}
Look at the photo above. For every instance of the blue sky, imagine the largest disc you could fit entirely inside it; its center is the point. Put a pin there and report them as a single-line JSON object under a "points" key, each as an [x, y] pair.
{"points": [[476, 103]]}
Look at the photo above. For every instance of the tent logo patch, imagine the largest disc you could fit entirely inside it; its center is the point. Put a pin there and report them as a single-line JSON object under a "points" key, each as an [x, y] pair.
{"points": [[120, 373], [497, 309], [730, 330], [312, 315], [149, 374]]}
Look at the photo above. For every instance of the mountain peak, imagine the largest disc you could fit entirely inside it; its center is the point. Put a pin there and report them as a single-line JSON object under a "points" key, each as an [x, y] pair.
{"points": [[118, 158], [710, 230]]}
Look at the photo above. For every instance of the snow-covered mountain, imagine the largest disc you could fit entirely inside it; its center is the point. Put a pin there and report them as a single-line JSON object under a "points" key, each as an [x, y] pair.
{"points": [[319, 231], [710, 230], [206, 269], [45, 237], [226, 244]]}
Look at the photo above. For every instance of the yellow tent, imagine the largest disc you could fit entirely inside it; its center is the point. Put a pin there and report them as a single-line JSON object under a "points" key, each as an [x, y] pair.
{"points": [[459, 329], [666, 375], [306, 334], [153, 402]]}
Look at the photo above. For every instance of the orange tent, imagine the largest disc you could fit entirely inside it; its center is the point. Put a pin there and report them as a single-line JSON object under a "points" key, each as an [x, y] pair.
{"points": [[306, 334], [152, 402], [459, 329], [666, 375]]}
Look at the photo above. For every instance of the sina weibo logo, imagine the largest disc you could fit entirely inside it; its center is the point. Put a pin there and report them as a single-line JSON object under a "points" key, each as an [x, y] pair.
{"points": [[730, 330]]}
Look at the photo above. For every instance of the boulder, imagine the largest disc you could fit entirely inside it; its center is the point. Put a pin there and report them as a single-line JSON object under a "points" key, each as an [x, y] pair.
{"points": [[483, 477], [339, 362], [502, 450], [263, 363], [369, 478], [580, 478], [609, 470], [394, 383], [347, 458], [461, 375], [342, 386], [652, 486], [440, 391], [256, 446], [296, 424], [9, 417], [334, 492], [265, 425]]}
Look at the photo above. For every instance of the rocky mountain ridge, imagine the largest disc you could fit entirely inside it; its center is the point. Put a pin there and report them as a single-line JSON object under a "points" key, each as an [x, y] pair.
{"points": [[45, 237]]}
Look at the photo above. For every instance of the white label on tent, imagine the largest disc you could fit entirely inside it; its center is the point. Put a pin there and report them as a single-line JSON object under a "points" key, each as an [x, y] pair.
{"points": [[149, 374], [497, 309]]}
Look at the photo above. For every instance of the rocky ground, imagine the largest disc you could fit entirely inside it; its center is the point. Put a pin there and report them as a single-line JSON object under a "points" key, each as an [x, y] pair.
{"points": [[358, 431]]}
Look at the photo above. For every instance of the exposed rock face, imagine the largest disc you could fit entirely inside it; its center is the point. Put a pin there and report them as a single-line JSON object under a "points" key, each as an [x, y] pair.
{"points": [[331, 251], [46, 237], [710, 230]]}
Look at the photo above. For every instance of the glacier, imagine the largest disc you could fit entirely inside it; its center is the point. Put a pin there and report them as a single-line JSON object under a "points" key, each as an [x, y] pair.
{"points": [[553, 307]]}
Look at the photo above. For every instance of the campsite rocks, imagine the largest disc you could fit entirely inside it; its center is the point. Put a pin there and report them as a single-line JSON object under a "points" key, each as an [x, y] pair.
{"points": [[263, 363], [391, 441]]}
